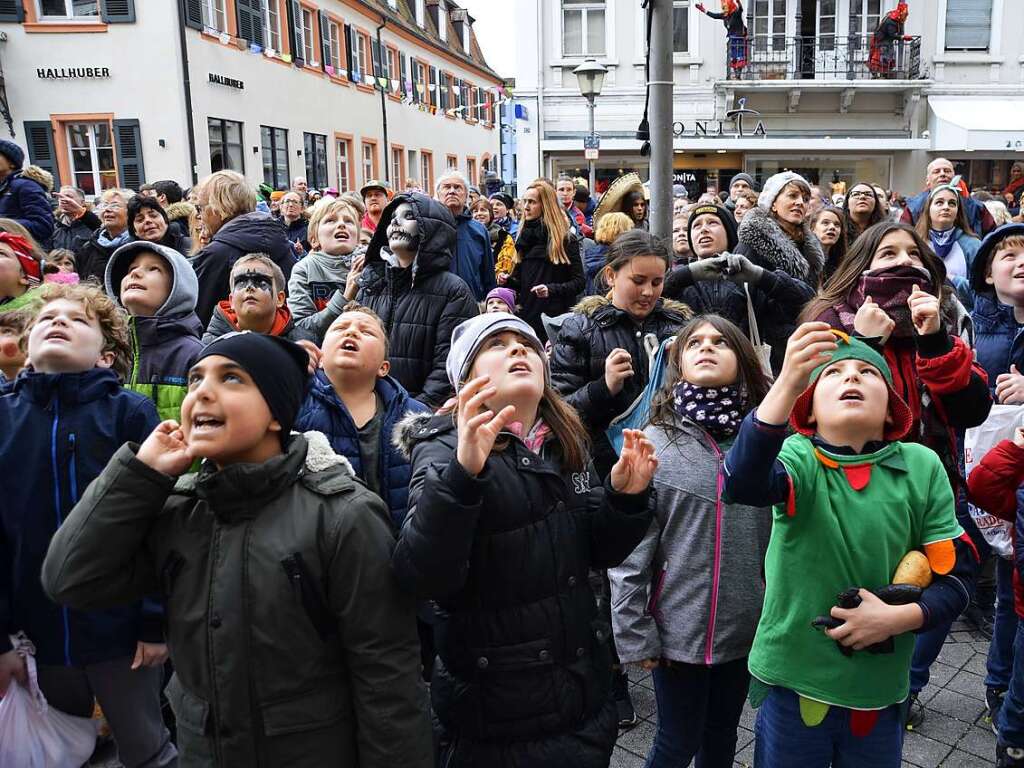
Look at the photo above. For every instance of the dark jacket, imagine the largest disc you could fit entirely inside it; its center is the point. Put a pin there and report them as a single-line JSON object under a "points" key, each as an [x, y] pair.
{"points": [[998, 340], [57, 432], [323, 411], [296, 233], [564, 281], [523, 673], [249, 233], [765, 243], [588, 336], [25, 197], [734, 25], [91, 259], [75, 234], [594, 260], [472, 258], [978, 215], [172, 239], [292, 644], [225, 320], [420, 305], [778, 300]]}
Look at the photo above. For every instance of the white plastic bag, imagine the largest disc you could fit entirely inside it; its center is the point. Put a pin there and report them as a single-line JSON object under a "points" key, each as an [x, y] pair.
{"points": [[34, 736], [1000, 425]]}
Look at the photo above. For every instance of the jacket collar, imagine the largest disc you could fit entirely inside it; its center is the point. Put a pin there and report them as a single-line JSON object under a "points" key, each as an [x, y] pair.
{"points": [[773, 248], [67, 388]]}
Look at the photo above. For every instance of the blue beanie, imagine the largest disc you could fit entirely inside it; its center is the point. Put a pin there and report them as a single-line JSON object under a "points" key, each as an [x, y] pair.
{"points": [[12, 152]]}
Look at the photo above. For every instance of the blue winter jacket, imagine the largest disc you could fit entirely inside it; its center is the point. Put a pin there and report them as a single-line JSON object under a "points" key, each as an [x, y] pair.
{"points": [[324, 412], [57, 433], [998, 340], [27, 201], [980, 219], [593, 262], [473, 259]]}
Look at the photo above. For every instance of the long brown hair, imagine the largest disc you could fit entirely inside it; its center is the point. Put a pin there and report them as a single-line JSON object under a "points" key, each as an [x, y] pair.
{"points": [[750, 376], [874, 217], [858, 260], [555, 221], [835, 255], [924, 221]]}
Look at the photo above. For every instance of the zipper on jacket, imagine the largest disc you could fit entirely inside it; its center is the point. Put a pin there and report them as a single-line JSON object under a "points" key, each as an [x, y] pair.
{"points": [[659, 585], [313, 603], [134, 380], [57, 504], [715, 573]]}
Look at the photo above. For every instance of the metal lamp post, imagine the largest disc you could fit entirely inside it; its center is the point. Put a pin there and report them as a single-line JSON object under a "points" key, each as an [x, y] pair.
{"points": [[590, 76]]}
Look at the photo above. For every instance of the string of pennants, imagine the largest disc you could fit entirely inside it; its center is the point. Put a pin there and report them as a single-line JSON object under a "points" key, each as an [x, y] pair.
{"points": [[501, 94]]}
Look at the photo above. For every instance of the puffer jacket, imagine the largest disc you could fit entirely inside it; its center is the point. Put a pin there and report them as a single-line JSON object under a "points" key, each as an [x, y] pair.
{"points": [[472, 258], [57, 432], [293, 646], [323, 411], [226, 321], [777, 299], [523, 675], [692, 590], [564, 281], [253, 232], [25, 197], [165, 345], [587, 338], [420, 305], [764, 242], [594, 260], [998, 339], [73, 235], [91, 259]]}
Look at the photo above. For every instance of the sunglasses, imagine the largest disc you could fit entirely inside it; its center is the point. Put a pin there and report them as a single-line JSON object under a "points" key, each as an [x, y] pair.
{"points": [[255, 280]]}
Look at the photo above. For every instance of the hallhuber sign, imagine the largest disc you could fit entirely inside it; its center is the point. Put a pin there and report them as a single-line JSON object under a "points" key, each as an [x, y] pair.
{"points": [[230, 82], [72, 73]]}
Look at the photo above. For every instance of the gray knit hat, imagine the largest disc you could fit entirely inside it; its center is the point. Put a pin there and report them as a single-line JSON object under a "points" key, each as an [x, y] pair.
{"points": [[773, 186], [743, 177], [469, 336]]}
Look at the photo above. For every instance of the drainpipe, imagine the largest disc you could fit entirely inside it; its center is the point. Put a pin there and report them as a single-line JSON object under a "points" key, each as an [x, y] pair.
{"points": [[187, 86], [384, 107]]}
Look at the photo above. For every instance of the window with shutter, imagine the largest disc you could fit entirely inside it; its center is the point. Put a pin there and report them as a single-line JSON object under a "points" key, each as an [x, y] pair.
{"points": [[295, 36], [12, 10], [416, 82], [433, 96], [39, 137], [350, 55], [193, 10], [968, 25], [128, 142], [326, 59], [118, 11], [403, 75], [250, 20], [378, 65]]}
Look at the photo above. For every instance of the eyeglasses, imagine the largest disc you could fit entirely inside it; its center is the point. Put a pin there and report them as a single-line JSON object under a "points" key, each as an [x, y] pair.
{"points": [[861, 195]]}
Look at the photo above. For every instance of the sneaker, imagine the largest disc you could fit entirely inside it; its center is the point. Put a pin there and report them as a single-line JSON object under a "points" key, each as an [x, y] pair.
{"points": [[993, 702], [1009, 757], [915, 713], [623, 702]]}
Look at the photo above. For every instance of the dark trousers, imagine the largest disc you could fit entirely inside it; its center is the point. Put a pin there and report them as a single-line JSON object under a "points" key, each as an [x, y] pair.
{"points": [[699, 711], [1004, 632], [1011, 714]]}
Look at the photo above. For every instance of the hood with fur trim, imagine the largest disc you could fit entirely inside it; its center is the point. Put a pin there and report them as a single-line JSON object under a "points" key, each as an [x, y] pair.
{"points": [[772, 248], [590, 305], [179, 211], [416, 426], [40, 176], [184, 283]]}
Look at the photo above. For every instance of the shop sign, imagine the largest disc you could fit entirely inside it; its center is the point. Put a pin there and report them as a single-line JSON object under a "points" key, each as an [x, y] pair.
{"points": [[72, 73], [230, 82], [717, 129]]}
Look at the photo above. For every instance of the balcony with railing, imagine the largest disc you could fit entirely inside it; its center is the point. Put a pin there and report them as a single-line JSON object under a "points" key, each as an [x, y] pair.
{"points": [[828, 57]]}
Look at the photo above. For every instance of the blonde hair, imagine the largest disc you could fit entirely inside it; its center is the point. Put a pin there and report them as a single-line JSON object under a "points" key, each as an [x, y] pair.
{"points": [[999, 212], [321, 210], [611, 226], [125, 194], [554, 218], [229, 194]]}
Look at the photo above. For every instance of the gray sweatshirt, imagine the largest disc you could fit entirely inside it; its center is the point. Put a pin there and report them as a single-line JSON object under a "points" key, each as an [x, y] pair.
{"points": [[316, 290], [693, 588]]}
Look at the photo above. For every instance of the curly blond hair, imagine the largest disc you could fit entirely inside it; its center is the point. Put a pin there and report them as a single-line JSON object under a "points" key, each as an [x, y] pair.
{"points": [[611, 226], [112, 319]]}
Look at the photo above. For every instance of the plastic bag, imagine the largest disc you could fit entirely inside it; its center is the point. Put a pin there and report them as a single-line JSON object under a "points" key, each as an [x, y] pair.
{"points": [[1000, 425], [639, 411], [34, 736]]}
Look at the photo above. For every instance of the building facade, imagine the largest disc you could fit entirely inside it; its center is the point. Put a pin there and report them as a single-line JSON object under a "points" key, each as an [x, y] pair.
{"points": [[115, 92], [954, 89]]}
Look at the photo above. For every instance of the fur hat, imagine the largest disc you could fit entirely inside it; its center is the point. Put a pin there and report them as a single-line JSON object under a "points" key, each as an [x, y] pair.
{"points": [[852, 348], [723, 215], [774, 185]]}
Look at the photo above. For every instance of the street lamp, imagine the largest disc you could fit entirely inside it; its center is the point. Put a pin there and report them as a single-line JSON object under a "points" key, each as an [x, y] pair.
{"points": [[590, 76]]}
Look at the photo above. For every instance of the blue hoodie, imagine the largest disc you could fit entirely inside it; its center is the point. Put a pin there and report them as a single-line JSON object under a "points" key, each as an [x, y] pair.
{"points": [[473, 259]]}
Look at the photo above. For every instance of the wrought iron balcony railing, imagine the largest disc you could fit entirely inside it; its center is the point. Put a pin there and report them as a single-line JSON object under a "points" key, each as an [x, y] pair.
{"points": [[828, 57]]}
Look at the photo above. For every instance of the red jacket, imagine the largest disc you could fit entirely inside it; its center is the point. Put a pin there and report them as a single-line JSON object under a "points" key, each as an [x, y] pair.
{"points": [[995, 486]]}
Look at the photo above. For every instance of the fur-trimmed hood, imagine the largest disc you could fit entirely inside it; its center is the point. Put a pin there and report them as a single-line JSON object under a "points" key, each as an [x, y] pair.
{"points": [[179, 211], [589, 306], [42, 177], [770, 247], [418, 426]]}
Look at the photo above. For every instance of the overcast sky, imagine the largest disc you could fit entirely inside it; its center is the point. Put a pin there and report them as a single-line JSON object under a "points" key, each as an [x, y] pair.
{"points": [[497, 41]]}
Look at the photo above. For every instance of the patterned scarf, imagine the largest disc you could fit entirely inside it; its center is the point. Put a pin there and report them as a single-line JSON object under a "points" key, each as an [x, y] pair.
{"points": [[716, 410], [942, 242], [107, 241], [889, 288]]}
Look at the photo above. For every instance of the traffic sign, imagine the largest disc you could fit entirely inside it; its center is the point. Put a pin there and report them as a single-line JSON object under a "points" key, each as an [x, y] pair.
{"points": [[592, 142], [591, 154]]}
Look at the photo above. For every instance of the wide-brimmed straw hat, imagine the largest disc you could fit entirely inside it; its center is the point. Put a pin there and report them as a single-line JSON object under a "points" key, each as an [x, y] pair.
{"points": [[618, 190]]}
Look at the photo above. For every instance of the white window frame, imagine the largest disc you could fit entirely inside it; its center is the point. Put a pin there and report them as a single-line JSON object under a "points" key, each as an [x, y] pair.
{"points": [[397, 155], [367, 162], [308, 37], [427, 172], [442, 21], [362, 57], [69, 13], [421, 12], [334, 35], [584, 10], [342, 163], [94, 157], [992, 56], [271, 25], [215, 12], [789, 26]]}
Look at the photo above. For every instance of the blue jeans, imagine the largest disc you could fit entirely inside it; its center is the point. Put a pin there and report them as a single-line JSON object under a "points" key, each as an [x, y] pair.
{"points": [[699, 710], [1000, 651], [1011, 714], [781, 740]]}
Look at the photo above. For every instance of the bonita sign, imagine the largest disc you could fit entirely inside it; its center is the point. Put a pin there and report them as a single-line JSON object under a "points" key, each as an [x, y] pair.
{"points": [[717, 128]]}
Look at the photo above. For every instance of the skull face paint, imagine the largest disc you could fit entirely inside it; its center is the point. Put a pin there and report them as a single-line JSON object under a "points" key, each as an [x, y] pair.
{"points": [[404, 230]]}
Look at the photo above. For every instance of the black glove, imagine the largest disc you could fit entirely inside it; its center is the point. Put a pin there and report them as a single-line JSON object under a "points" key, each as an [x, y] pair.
{"points": [[893, 594], [740, 269], [708, 269]]}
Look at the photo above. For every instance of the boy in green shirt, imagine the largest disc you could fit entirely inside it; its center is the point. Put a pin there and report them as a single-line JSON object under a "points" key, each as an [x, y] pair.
{"points": [[850, 502]]}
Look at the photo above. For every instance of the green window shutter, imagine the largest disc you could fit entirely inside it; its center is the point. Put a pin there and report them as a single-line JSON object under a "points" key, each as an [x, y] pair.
{"points": [[193, 10], [250, 20], [128, 143], [12, 10], [39, 137], [118, 11]]}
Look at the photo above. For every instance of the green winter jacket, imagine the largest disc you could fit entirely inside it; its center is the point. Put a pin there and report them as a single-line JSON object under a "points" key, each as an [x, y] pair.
{"points": [[292, 643]]}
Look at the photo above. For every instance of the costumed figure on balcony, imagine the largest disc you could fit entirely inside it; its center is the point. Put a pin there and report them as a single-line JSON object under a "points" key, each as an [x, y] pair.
{"points": [[884, 50], [736, 31]]}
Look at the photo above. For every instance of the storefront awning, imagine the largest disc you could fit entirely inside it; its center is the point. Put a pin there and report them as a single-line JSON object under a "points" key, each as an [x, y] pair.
{"points": [[959, 124]]}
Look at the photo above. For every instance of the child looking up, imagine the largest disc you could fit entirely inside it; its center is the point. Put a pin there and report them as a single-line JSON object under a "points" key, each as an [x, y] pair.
{"points": [[687, 600], [356, 404], [500, 300], [273, 561], [60, 423], [850, 502], [12, 344], [20, 271], [158, 288]]}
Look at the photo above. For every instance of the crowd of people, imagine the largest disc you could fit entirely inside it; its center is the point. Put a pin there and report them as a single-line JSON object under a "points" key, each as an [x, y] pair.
{"points": [[290, 460]]}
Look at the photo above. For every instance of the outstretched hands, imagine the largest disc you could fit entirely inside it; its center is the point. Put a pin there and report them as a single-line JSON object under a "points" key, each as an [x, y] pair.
{"points": [[478, 426], [166, 449], [637, 463]]}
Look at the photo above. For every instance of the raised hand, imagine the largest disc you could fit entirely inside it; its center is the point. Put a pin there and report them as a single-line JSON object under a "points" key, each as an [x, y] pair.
{"points": [[315, 355], [808, 347], [478, 426], [708, 269], [166, 449], [352, 281], [637, 463], [618, 367], [924, 312], [1010, 387], [700, 7], [739, 269], [871, 321]]}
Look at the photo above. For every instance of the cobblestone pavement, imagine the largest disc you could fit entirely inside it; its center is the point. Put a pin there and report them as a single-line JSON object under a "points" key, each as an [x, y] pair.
{"points": [[953, 735]]}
